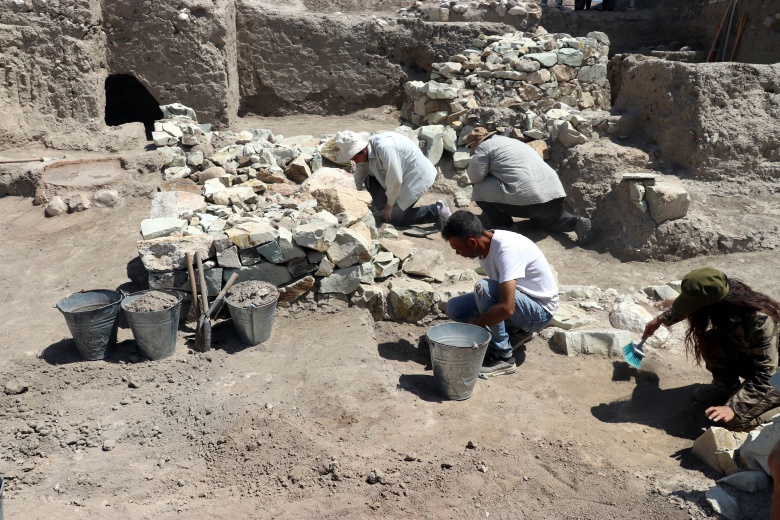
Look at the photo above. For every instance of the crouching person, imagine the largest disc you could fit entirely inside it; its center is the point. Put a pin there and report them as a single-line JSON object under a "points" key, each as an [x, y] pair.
{"points": [[519, 296]]}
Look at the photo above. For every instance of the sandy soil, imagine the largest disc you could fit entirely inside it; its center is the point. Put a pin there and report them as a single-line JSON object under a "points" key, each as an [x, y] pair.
{"points": [[335, 416]]}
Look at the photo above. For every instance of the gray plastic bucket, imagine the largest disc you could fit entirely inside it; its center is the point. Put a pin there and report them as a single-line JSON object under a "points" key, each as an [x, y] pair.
{"points": [[457, 351], [155, 331], [92, 319], [253, 324]]}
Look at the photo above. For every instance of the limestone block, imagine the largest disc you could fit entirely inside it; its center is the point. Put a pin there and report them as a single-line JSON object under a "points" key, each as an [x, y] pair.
{"points": [[426, 262], [570, 57], [77, 202], [315, 235], [667, 202], [660, 292], [257, 185], [161, 227], [569, 137], [723, 504], [164, 139], [636, 191], [386, 264], [754, 452], [215, 172], [563, 73], [578, 292], [300, 266], [298, 171], [195, 159], [596, 74], [349, 248], [272, 252], [329, 178], [288, 247], [347, 200], [547, 59], [400, 248], [374, 298], [225, 196], [715, 447], [275, 274], [569, 317], [608, 342], [105, 198], [433, 137], [526, 65], [324, 217], [180, 281], [633, 317], [173, 172], [461, 160], [168, 253], [229, 257], [56, 206], [252, 233], [541, 148], [410, 300], [346, 281], [295, 290], [436, 90], [748, 481], [444, 294], [539, 77], [174, 204]]}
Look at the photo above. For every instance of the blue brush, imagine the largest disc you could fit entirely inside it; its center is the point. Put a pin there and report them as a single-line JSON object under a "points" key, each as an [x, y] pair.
{"points": [[634, 353]]}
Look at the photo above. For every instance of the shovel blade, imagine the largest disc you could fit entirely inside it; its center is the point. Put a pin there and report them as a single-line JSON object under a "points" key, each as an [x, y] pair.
{"points": [[203, 335]]}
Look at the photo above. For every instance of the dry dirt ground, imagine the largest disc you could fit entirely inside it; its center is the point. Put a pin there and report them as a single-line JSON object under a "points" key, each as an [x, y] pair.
{"points": [[335, 416]]}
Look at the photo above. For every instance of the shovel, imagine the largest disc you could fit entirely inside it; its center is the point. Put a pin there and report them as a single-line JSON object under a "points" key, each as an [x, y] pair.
{"points": [[203, 331]]}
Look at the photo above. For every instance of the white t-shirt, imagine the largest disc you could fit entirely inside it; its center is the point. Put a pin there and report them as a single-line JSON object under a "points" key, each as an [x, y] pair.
{"points": [[515, 257]]}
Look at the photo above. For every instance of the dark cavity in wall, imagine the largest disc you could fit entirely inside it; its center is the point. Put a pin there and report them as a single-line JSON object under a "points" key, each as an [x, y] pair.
{"points": [[127, 101]]}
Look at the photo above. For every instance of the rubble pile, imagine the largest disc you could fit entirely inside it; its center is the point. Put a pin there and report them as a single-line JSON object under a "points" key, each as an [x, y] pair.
{"points": [[442, 12], [516, 80]]}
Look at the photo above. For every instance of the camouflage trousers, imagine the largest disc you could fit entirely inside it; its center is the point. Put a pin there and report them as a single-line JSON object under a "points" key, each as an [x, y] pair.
{"points": [[728, 364]]}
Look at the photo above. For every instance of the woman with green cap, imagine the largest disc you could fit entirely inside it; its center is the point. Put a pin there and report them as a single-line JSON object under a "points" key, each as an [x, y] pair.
{"points": [[734, 330]]}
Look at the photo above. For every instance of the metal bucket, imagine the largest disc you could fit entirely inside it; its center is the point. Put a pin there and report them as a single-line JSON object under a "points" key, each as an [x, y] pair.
{"points": [[155, 331], [253, 324], [92, 319], [457, 351]]}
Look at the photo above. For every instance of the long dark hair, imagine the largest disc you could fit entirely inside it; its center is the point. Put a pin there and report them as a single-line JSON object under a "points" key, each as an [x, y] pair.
{"points": [[740, 300]]}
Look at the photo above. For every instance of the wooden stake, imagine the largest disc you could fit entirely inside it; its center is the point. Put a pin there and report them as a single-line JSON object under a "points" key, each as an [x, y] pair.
{"points": [[739, 33]]}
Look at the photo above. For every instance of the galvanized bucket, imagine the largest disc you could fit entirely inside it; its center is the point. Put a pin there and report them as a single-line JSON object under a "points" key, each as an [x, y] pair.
{"points": [[253, 324], [155, 331], [92, 319], [457, 351]]}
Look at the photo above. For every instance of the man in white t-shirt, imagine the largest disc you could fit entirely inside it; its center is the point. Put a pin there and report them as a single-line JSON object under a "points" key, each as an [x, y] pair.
{"points": [[520, 292]]}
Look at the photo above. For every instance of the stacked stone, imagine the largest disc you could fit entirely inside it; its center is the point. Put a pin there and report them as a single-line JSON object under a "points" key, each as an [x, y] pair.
{"points": [[445, 10], [514, 81]]}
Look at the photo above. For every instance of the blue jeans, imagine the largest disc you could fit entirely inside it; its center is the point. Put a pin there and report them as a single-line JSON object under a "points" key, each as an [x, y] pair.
{"points": [[529, 315]]}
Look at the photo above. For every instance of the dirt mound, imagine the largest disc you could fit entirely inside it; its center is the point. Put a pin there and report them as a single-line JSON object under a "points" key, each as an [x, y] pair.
{"points": [[152, 301], [252, 293]]}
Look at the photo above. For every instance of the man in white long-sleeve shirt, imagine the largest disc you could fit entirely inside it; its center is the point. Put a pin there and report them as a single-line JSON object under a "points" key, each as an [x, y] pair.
{"points": [[395, 172]]}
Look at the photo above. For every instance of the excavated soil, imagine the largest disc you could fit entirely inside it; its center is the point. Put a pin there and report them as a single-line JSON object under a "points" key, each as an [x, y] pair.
{"points": [[152, 301], [252, 293]]}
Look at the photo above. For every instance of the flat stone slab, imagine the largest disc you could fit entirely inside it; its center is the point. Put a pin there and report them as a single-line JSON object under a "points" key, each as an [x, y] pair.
{"points": [[83, 173], [161, 227], [570, 317], [607, 342]]}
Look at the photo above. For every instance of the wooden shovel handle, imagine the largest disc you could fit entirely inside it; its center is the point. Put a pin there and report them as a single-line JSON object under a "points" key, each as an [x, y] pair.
{"points": [[12, 161], [193, 283], [204, 292], [222, 294]]}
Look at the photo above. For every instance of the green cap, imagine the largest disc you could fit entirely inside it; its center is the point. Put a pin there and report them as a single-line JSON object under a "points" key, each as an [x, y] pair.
{"points": [[701, 287]]}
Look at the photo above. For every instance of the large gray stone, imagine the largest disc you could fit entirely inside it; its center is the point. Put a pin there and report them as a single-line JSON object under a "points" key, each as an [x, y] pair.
{"points": [[716, 447], [180, 281], [228, 257], [722, 503], [633, 317], [754, 452], [547, 59], [161, 227], [570, 57], [349, 248], [596, 74], [410, 300], [461, 160], [174, 204], [288, 247], [400, 248], [298, 171], [569, 317], [315, 235], [435, 90], [346, 281], [433, 137], [168, 253], [747, 481], [386, 264], [667, 201], [608, 342], [272, 252], [578, 292], [350, 202], [374, 298], [252, 233], [426, 262], [295, 290], [275, 274]]}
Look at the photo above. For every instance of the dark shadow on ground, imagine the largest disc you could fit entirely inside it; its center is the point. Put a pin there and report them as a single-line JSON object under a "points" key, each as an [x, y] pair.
{"points": [[420, 385], [672, 410], [65, 352], [404, 350]]}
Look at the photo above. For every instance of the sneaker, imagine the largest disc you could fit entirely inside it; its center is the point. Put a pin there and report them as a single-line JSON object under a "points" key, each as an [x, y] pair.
{"points": [[497, 365], [713, 394], [519, 337], [444, 212], [583, 230]]}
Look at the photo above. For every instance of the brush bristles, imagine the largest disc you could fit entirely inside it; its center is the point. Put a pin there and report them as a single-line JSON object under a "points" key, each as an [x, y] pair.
{"points": [[632, 358]]}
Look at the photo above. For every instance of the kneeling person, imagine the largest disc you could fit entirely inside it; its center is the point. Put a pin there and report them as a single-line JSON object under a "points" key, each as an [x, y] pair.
{"points": [[520, 291]]}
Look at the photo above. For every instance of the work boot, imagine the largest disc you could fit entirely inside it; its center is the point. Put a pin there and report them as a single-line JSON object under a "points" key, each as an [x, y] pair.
{"points": [[519, 337], [584, 230], [497, 365], [713, 394]]}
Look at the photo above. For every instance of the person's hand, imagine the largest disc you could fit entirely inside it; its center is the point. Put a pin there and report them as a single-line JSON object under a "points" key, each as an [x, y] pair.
{"points": [[651, 327], [719, 413], [388, 213]]}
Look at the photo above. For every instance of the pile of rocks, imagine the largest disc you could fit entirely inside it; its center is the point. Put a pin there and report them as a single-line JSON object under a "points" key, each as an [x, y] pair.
{"points": [[514, 80], [73, 202], [442, 12]]}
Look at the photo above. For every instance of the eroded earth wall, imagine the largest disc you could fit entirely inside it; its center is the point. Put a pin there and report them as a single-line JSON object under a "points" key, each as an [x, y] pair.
{"points": [[718, 121], [52, 68], [181, 52]]}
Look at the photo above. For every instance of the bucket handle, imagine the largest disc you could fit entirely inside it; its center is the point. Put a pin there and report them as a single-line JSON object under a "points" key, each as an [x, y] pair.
{"points": [[121, 292]]}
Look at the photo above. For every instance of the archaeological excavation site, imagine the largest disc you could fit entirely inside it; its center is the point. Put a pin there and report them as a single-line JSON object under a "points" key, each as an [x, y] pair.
{"points": [[208, 314]]}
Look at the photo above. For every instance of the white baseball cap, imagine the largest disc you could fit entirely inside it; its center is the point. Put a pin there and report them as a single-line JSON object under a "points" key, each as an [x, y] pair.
{"points": [[350, 144]]}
